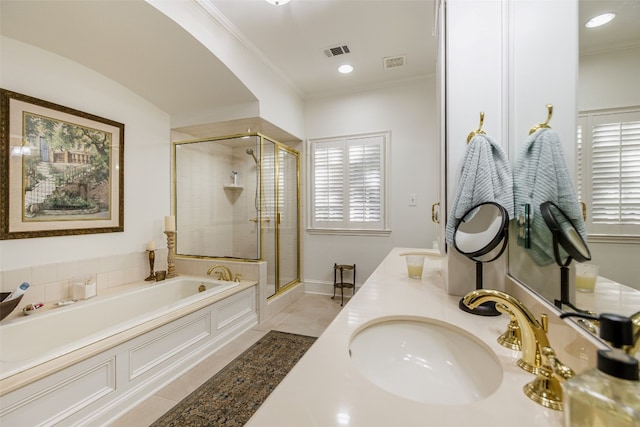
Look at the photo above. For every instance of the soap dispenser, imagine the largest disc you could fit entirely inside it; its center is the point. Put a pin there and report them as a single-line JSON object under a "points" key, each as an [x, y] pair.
{"points": [[608, 396]]}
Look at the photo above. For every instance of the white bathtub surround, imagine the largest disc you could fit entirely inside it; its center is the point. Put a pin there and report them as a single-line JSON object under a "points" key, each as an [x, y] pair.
{"points": [[326, 388], [84, 287], [248, 270], [51, 283], [309, 315], [81, 375]]}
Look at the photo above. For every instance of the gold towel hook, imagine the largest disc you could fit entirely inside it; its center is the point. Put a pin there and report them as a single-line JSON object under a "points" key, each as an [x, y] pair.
{"points": [[544, 125], [479, 131]]}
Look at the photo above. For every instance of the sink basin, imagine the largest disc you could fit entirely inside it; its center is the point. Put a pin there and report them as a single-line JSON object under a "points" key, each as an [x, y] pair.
{"points": [[425, 360]]}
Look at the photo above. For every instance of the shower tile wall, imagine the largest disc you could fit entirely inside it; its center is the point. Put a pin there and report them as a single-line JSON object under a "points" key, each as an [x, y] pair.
{"points": [[204, 178], [215, 217], [245, 231]]}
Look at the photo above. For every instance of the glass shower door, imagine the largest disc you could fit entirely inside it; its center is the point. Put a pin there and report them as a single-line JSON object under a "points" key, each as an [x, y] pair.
{"points": [[268, 213], [288, 239], [280, 222]]}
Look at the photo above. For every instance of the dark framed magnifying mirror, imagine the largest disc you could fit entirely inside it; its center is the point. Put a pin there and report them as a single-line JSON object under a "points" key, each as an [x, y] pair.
{"points": [[482, 236], [566, 237]]}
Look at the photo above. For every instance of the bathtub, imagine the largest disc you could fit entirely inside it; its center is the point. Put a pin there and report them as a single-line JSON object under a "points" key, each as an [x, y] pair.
{"points": [[158, 326]]}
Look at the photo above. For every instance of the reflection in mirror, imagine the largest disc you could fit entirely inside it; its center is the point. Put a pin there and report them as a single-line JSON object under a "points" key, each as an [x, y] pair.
{"points": [[481, 235], [609, 59], [567, 238], [564, 233]]}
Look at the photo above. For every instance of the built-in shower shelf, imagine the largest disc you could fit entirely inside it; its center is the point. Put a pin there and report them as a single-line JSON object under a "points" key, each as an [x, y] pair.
{"points": [[234, 187]]}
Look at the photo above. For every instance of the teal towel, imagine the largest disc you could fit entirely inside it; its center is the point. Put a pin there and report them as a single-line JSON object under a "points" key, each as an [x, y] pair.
{"points": [[485, 176], [541, 175]]}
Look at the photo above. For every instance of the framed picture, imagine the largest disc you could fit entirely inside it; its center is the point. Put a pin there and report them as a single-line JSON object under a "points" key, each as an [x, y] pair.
{"points": [[62, 170]]}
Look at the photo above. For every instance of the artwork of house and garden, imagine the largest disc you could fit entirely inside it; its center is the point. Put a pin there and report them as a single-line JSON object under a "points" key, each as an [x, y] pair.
{"points": [[66, 170]]}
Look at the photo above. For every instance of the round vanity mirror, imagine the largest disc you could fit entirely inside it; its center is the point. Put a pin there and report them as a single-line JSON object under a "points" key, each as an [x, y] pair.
{"points": [[565, 232], [482, 235], [565, 236], [480, 232]]}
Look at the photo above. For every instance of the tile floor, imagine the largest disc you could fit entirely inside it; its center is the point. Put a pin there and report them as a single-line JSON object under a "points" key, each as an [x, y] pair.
{"points": [[310, 315]]}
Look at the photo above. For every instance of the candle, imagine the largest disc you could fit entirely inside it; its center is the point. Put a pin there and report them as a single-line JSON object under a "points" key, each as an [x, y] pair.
{"points": [[151, 246], [170, 223]]}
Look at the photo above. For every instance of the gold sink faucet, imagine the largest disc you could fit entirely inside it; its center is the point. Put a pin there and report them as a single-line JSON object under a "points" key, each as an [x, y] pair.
{"points": [[533, 333], [537, 355], [635, 319], [223, 272]]}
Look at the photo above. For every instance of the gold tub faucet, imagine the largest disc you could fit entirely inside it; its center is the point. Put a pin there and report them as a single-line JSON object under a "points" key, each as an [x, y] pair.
{"points": [[223, 272], [537, 355]]}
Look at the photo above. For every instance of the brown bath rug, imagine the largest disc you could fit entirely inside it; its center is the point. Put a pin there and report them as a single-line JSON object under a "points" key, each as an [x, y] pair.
{"points": [[231, 396]]}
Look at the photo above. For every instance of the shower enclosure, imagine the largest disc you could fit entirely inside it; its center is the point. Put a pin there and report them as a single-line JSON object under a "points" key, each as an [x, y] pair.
{"points": [[237, 197]]}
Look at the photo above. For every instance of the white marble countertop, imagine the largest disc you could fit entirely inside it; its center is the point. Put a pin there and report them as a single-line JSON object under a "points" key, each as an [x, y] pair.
{"points": [[610, 297], [326, 389]]}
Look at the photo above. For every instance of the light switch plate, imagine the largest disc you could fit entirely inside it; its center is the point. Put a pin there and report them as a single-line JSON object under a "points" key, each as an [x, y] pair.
{"points": [[413, 200]]}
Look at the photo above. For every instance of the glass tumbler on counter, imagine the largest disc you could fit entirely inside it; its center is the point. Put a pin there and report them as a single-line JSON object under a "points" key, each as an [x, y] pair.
{"points": [[415, 265], [586, 277]]}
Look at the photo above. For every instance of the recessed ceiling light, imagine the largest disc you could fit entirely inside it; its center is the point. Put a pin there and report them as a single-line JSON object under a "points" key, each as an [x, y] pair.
{"points": [[345, 69], [278, 2], [600, 20]]}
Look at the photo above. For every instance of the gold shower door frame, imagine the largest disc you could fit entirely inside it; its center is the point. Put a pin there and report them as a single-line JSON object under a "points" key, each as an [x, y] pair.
{"points": [[282, 249], [283, 207]]}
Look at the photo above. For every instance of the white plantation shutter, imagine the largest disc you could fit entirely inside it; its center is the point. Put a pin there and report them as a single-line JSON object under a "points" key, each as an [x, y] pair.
{"points": [[613, 162], [349, 182], [365, 180], [328, 183], [580, 163]]}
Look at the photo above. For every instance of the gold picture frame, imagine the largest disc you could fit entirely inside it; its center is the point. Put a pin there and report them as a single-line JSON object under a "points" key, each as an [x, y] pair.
{"points": [[62, 170]]}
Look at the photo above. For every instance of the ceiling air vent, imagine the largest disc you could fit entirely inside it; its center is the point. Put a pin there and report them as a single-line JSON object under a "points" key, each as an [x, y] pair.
{"points": [[394, 61], [335, 51]]}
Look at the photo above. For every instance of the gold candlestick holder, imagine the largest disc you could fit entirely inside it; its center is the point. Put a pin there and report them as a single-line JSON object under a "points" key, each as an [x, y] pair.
{"points": [[171, 256], [152, 261]]}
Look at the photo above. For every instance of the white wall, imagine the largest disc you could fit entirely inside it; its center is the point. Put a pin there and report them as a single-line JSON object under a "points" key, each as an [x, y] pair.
{"points": [[475, 83], [612, 80], [609, 80], [407, 110], [280, 104], [41, 74]]}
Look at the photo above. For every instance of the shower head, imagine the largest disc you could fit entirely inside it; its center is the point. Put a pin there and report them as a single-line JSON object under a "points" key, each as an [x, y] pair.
{"points": [[250, 152]]}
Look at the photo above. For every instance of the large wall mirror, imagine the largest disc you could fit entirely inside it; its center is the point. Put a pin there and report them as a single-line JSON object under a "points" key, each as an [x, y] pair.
{"points": [[608, 91]]}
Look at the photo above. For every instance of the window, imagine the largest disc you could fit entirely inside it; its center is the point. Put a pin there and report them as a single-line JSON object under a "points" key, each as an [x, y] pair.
{"points": [[608, 167], [349, 184]]}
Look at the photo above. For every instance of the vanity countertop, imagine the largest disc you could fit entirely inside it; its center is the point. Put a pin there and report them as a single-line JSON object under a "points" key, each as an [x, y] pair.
{"points": [[325, 388], [610, 297]]}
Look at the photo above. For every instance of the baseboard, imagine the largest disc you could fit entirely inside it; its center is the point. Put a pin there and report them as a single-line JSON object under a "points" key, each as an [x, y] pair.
{"points": [[324, 288]]}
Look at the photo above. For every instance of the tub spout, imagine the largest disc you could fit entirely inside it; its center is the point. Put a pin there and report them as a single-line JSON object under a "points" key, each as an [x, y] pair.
{"points": [[223, 272]]}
